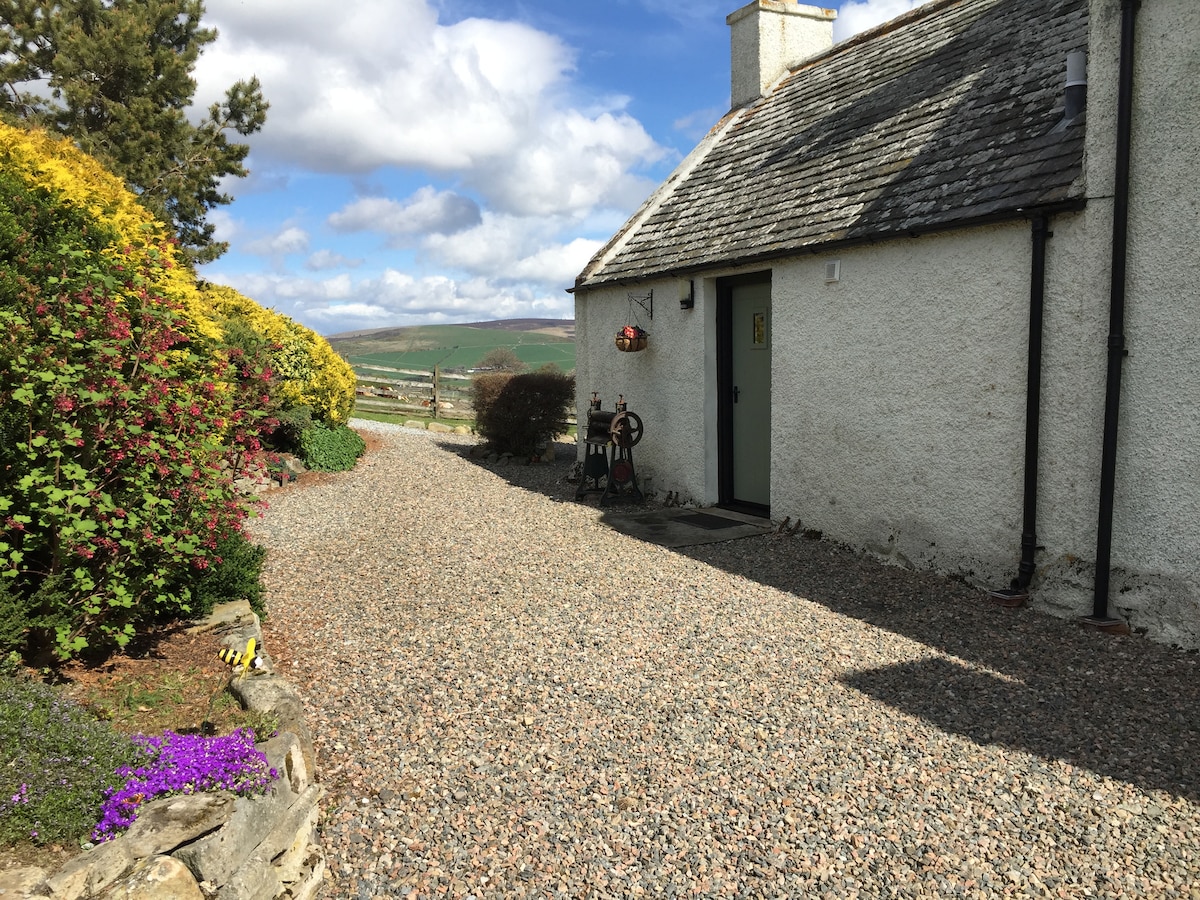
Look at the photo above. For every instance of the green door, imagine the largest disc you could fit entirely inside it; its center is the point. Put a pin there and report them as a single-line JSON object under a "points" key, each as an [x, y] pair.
{"points": [[747, 394]]}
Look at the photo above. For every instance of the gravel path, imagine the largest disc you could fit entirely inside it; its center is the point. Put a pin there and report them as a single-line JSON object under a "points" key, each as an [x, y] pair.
{"points": [[513, 700]]}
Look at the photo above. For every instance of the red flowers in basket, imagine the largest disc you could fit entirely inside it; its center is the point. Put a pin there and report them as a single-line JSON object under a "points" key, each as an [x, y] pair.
{"points": [[632, 331]]}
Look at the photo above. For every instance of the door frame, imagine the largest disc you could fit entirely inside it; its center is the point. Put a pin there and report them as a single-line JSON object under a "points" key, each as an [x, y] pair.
{"points": [[724, 349]]}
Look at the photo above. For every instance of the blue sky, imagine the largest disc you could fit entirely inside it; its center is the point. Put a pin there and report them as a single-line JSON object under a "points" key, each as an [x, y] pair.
{"points": [[440, 161]]}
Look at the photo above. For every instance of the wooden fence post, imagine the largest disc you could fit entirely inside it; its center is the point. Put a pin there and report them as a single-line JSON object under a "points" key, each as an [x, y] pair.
{"points": [[436, 389]]}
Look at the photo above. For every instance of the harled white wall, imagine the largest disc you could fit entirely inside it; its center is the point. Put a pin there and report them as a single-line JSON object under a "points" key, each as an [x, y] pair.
{"points": [[900, 395], [669, 384], [898, 423]]}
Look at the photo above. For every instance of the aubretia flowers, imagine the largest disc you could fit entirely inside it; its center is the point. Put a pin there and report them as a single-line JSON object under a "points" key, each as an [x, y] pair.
{"points": [[183, 764]]}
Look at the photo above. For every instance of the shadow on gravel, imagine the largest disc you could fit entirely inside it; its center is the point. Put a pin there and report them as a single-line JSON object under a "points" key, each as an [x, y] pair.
{"points": [[548, 478], [1123, 707]]}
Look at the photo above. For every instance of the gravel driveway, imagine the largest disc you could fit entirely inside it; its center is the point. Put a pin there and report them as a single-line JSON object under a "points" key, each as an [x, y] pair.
{"points": [[511, 699]]}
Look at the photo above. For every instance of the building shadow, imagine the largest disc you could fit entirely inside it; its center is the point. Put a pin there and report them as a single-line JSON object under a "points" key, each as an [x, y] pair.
{"points": [[1121, 706]]}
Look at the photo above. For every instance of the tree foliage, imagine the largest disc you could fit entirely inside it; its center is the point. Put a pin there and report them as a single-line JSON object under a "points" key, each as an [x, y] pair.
{"points": [[115, 77], [501, 359]]}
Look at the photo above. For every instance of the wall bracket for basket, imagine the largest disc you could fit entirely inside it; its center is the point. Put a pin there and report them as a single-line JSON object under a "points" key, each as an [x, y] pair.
{"points": [[646, 303]]}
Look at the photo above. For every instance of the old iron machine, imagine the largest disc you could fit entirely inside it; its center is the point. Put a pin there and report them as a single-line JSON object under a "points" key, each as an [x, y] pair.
{"points": [[608, 453]]}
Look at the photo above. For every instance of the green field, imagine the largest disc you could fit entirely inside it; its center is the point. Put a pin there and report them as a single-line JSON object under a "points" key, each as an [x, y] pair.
{"points": [[459, 346]]}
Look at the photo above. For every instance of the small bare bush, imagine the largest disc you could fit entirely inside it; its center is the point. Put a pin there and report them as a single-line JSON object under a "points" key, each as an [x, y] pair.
{"points": [[519, 413]]}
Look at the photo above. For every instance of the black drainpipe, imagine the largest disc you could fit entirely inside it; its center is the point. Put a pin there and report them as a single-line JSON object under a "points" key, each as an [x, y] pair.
{"points": [[1033, 404], [1116, 318]]}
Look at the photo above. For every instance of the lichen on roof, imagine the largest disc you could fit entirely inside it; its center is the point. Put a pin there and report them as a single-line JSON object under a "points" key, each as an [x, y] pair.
{"points": [[951, 117]]}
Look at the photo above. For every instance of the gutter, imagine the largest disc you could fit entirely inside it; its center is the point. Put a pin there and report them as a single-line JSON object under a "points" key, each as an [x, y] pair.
{"points": [[1100, 616], [747, 260]]}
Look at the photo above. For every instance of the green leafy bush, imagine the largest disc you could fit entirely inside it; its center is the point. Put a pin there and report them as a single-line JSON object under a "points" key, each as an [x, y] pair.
{"points": [[56, 761], [120, 432], [519, 413], [331, 449], [292, 423], [237, 575]]}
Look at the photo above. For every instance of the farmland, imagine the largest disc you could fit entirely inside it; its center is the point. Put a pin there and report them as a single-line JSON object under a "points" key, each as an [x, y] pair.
{"points": [[536, 342], [396, 366]]}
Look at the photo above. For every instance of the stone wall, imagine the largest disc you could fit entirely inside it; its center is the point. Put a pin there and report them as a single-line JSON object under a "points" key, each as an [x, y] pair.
{"points": [[215, 844]]}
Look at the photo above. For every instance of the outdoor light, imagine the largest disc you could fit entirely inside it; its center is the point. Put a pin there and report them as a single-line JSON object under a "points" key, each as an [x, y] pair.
{"points": [[687, 294]]}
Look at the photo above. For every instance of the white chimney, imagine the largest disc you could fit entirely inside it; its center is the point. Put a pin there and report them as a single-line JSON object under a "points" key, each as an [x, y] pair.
{"points": [[768, 37]]}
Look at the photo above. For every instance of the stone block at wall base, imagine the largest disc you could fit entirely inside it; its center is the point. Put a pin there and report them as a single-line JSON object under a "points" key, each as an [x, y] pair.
{"points": [[156, 878]]}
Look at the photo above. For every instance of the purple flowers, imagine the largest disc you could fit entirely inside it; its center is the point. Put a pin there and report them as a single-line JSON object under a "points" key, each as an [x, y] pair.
{"points": [[183, 764]]}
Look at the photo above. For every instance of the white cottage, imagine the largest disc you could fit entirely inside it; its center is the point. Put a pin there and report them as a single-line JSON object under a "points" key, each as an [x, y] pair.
{"points": [[932, 291]]}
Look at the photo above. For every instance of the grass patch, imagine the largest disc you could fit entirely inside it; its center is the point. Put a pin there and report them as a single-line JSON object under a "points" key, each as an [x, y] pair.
{"points": [[390, 419]]}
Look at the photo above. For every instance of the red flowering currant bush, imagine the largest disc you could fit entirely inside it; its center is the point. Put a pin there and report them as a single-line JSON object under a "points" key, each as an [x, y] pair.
{"points": [[120, 431]]}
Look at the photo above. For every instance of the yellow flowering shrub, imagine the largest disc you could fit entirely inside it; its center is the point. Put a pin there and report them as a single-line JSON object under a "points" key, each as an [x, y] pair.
{"points": [[76, 179], [307, 370]]}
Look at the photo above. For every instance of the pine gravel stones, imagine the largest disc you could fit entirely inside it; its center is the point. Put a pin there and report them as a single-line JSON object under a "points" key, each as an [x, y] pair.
{"points": [[511, 699]]}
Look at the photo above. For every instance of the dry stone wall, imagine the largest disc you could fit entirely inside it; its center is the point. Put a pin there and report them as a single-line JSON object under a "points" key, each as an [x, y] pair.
{"points": [[215, 844]]}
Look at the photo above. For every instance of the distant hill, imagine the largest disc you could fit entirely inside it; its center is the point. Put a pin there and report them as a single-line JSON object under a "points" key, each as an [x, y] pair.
{"points": [[561, 327], [535, 341]]}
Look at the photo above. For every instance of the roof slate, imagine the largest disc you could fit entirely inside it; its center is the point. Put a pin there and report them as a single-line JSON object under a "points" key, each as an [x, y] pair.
{"points": [[943, 117]]}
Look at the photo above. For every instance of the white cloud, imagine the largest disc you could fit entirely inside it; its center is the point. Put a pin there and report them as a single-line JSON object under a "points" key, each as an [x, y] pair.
{"points": [[575, 163], [511, 249], [397, 298], [290, 240], [556, 264], [225, 226], [428, 210], [328, 259], [384, 84], [859, 15]]}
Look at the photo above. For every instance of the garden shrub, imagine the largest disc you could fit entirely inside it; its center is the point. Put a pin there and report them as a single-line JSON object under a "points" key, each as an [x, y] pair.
{"points": [[104, 208], [56, 762], [486, 388], [331, 449], [520, 413], [115, 479], [235, 575], [306, 370], [291, 424], [122, 424]]}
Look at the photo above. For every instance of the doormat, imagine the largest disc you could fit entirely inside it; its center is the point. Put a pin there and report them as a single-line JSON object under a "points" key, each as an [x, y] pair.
{"points": [[707, 522]]}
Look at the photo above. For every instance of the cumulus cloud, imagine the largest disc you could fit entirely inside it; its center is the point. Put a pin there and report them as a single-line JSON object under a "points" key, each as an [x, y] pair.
{"points": [[328, 259], [509, 249], [392, 297], [859, 15], [384, 84], [290, 240], [426, 211]]}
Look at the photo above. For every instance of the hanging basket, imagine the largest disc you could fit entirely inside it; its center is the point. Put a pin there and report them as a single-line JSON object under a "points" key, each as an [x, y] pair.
{"points": [[631, 338]]}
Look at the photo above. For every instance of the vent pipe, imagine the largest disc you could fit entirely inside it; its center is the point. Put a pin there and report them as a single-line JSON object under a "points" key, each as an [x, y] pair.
{"points": [[1076, 93]]}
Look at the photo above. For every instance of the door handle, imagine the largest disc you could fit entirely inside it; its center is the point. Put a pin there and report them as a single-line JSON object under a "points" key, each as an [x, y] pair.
{"points": [[736, 391]]}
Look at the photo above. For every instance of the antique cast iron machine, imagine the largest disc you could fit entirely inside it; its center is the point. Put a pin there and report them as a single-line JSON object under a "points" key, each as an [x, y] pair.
{"points": [[608, 453]]}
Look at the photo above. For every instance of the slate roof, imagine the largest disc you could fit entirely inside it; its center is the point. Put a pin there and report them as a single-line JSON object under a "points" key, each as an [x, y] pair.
{"points": [[944, 117]]}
